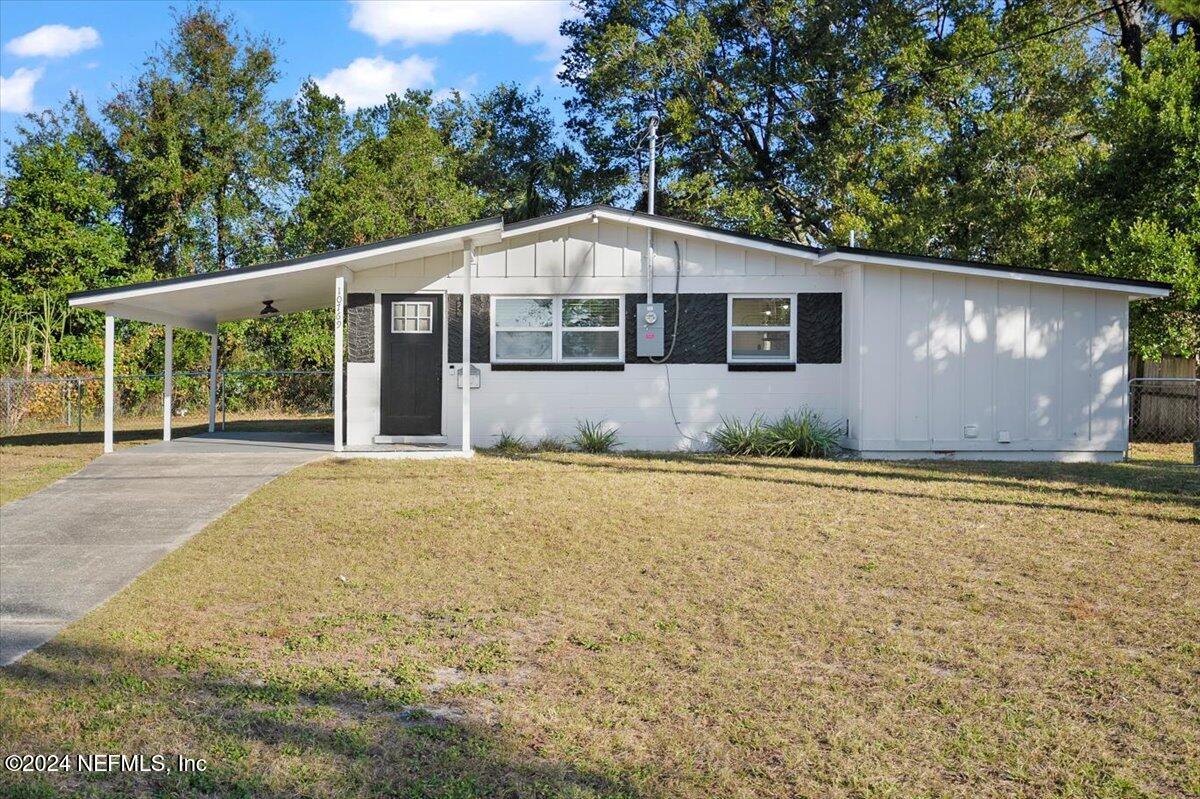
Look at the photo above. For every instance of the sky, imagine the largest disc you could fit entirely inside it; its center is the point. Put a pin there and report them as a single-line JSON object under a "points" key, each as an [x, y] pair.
{"points": [[358, 50]]}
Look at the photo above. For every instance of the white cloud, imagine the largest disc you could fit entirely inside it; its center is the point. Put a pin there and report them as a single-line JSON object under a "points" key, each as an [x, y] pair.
{"points": [[368, 81], [414, 22], [54, 41], [16, 91]]}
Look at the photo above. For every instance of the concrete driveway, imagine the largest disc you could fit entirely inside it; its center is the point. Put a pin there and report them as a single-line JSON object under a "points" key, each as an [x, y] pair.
{"points": [[69, 547]]}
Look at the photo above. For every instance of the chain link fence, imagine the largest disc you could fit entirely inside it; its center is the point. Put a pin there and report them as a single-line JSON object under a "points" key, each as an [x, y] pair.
{"points": [[1164, 413], [65, 404]]}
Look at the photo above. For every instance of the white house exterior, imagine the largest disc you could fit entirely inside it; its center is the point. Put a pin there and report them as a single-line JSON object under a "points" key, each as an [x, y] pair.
{"points": [[916, 357]]}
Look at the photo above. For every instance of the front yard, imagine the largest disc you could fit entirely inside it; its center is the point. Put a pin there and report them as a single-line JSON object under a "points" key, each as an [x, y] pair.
{"points": [[575, 626]]}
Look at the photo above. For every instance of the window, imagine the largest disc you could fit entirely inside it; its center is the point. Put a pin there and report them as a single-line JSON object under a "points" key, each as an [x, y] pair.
{"points": [[412, 317], [557, 329], [761, 329]]}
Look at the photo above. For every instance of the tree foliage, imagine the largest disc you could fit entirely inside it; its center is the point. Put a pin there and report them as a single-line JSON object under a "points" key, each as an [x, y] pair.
{"points": [[1139, 208], [514, 157], [395, 176], [965, 128], [189, 147], [1008, 132], [57, 233]]}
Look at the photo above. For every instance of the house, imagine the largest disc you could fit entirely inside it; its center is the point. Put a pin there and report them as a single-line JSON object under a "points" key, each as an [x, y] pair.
{"points": [[915, 356]]}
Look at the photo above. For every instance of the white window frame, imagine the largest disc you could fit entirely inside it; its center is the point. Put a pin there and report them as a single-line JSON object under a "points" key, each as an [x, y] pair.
{"points": [[557, 328], [730, 329], [392, 317]]}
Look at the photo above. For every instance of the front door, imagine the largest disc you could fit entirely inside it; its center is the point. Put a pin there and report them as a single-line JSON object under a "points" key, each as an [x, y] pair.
{"points": [[410, 403]]}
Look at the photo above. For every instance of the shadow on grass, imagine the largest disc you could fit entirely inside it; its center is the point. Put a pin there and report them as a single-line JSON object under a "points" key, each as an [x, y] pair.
{"points": [[56, 438], [271, 738], [1179, 483], [1178, 488]]}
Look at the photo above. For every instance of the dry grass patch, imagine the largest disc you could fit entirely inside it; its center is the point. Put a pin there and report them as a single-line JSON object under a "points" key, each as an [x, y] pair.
{"points": [[579, 626]]}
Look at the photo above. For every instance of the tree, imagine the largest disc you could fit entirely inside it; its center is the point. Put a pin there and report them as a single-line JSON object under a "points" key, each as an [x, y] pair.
{"points": [[313, 133], [1140, 198], [190, 150], [396, 177], [514, 157], [57, 233], [806, 120]]}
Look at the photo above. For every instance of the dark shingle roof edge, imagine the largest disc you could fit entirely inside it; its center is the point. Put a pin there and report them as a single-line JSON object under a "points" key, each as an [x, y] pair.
{"points": [[1027, 270], [304, 259]]}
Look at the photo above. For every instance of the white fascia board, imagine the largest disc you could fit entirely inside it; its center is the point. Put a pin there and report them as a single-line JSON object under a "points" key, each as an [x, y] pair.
{"points": [[1135, 292], [488, 233], [663, 224]]}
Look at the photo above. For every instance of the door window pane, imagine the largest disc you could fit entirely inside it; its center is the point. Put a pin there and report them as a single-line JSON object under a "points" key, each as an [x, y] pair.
{"points": [[591, 344], [524, 345], [524, 312], [412, 317], [762, 312], [762, 344]]}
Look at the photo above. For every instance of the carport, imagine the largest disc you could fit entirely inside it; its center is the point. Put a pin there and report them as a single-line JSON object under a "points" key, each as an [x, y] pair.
{"points": [[202, 302]]}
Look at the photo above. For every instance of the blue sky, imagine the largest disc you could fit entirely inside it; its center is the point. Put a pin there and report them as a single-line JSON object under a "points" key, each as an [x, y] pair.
{"points": [[359, 50]]}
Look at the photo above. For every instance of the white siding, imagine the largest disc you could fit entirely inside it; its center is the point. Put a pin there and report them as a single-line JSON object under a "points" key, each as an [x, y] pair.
{"points": [[926, 354], [536, 404], [1042, 365]]}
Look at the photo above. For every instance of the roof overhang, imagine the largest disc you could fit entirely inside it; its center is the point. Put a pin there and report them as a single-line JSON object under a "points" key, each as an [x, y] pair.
{"points": [[200, 302], [1134, 289]]}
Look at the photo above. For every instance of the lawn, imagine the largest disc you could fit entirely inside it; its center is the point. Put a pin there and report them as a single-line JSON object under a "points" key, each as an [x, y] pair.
{"points": [[586, 626]]}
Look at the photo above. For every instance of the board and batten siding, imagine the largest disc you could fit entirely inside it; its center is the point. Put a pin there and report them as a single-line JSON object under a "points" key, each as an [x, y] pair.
{"points": [[607, 258], [1043, 365]]}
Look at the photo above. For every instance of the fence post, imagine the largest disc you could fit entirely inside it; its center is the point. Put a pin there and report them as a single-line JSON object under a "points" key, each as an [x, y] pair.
{"points": [[79, 403]]}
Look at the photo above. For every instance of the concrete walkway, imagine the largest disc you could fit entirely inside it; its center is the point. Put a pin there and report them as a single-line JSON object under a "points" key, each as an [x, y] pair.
{"points": [[69, 547]]}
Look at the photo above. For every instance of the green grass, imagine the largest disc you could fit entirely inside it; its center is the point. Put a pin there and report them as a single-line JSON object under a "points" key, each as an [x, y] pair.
{"points": [[565, 625]]}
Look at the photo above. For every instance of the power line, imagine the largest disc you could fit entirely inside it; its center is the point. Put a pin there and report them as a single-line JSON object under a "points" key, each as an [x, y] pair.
{"points": [[987, 53]]}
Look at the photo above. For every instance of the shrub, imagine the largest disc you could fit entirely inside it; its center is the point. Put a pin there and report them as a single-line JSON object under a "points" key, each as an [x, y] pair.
{"points": [[594, 437], [802, 434], [509, 444], [797, 434], [735, 437], [551, 444]]}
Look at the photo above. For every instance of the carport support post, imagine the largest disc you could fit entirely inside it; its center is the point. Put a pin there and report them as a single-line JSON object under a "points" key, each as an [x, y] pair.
{"points": [[339, 310], [109, 335], [168, 378], [212, 383], [468, 268]]}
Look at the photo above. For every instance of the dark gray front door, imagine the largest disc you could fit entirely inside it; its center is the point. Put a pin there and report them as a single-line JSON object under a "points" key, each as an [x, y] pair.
{"points": [[410, 402]]}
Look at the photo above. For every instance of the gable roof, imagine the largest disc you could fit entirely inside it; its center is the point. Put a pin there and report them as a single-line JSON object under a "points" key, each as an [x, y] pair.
{"points": [[839, 254], [201, 301]]}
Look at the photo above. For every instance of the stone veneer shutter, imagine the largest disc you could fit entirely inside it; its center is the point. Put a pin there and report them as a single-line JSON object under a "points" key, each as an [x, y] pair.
{"points": [[481, 328], [702, 332], [360, 328], [819, 328]]}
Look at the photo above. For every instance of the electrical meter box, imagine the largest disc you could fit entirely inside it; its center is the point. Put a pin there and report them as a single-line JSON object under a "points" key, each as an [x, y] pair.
{"points": [[650, 329]]}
